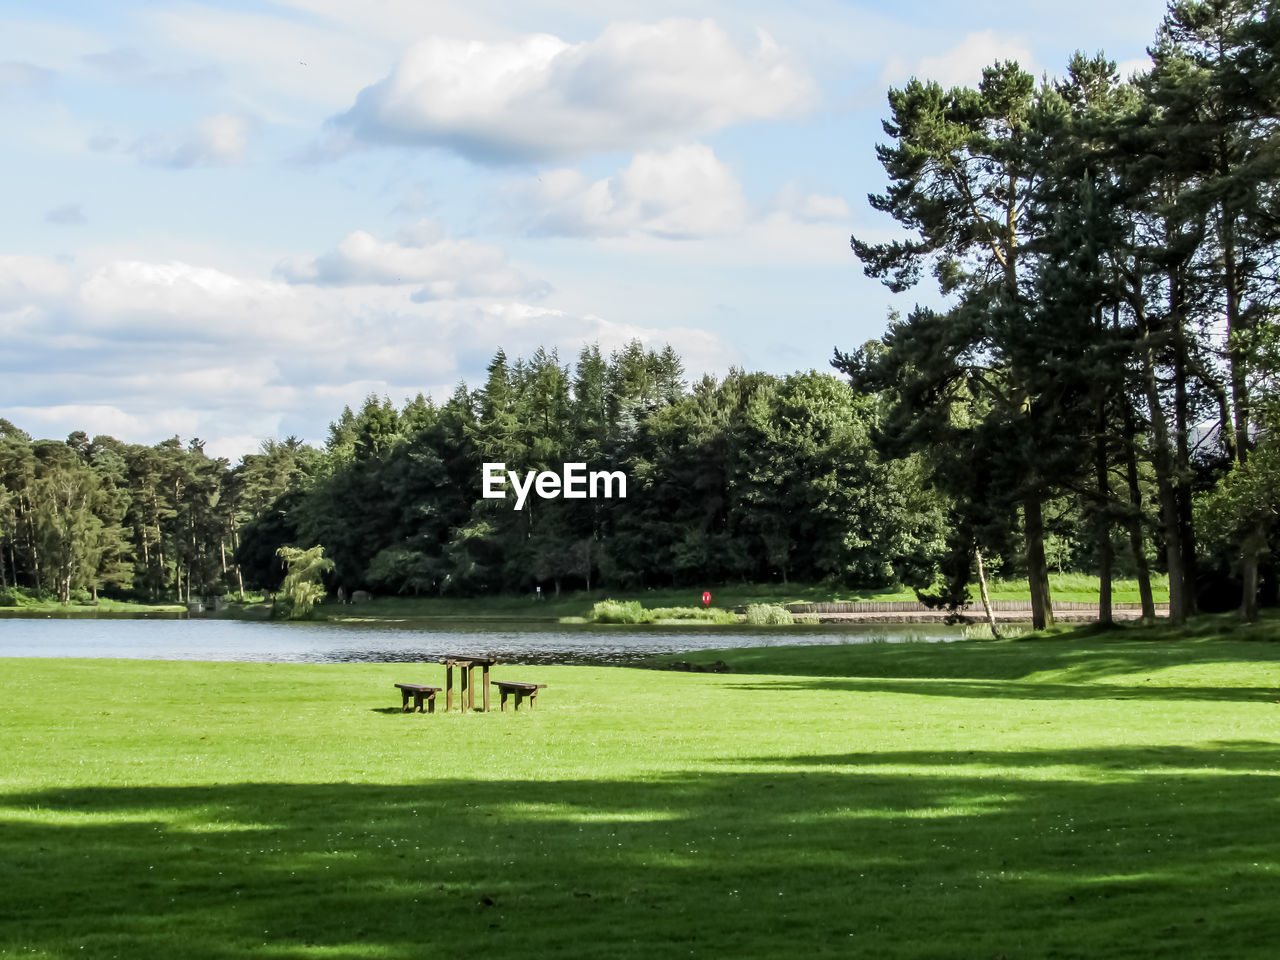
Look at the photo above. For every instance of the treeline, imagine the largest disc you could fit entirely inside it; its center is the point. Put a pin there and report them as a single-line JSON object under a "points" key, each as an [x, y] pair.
{"points": [[154, 522], [1110, 249], [753, 477]]}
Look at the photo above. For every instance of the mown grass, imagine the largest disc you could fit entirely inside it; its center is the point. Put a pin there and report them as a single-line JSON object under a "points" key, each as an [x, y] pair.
{"points": [[1073, 587], [1089, 795], [24, 605]]}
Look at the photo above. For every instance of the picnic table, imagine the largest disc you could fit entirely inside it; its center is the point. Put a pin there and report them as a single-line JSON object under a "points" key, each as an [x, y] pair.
{"points": [[466, 682]]}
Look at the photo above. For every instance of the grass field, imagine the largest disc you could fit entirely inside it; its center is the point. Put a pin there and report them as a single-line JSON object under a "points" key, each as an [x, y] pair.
{"points": [[1066, 586], [1093, 796], [24, 606]]}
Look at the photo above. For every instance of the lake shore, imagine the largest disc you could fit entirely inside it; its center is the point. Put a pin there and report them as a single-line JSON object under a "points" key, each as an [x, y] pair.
{"points": [[576, 606]]}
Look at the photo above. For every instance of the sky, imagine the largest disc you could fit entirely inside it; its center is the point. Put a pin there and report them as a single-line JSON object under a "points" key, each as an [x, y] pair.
{"points": [[226, 221]]}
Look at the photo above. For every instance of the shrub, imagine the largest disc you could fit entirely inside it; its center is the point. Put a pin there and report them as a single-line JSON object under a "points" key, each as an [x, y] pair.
{"points": [[700, 614], [618, 611], [631, 611], [768, 615]]}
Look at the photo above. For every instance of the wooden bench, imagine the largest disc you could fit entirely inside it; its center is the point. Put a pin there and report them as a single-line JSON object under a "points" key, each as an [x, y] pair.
{"points": [[520, 691], [420, 692]]}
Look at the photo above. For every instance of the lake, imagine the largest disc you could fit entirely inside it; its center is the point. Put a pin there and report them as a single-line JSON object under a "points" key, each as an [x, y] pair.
{"points": [[408, 641]]}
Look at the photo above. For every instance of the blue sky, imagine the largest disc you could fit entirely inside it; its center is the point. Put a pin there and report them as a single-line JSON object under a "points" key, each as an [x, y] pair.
{"points": [[229, 220]]}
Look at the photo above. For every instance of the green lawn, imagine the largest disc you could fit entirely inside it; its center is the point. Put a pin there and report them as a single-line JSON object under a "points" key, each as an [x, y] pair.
{"points": [[1082, 796], [26, 607], [1067, 586]]}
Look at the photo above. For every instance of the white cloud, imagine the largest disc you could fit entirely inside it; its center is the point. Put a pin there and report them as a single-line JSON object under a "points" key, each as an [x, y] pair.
{"points": [[447, 268], [685, 193], [200, 351], [99, 418], [178, 298], [816, 208], [30, 281], [794, 201], [1128, 68], [769, 240], [962, 64], [636, 86], [682, 193], [216, 140]]}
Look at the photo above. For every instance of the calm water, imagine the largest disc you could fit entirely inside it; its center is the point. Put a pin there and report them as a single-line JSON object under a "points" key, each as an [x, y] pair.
{"points": [[200, 639]]}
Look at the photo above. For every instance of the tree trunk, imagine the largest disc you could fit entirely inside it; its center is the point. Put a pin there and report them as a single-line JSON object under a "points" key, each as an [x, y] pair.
{"points": [[1235, 332], [1173, 541], [1134, 523], [1102, 517], [33, 549], [1182, 452], [1162, 460], [1187, 536], [235, 554], [1037, 568], [1268, 587], [1104, 583], [1250, 551], [986, 597]]}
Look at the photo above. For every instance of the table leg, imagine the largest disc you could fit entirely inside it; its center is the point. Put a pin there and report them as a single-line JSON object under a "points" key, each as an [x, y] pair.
{"points": [[471, 687], [485, 681], [448, 685]]}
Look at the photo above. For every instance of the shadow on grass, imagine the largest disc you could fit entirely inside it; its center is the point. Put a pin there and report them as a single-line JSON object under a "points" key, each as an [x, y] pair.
{"points": [[1081, 658], [1012, 690], [1137, 853], [1250, 756]]}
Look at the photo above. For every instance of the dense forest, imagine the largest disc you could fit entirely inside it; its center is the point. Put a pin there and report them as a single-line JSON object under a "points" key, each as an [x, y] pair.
{"points": [[1099, 395], [751, 477]]}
